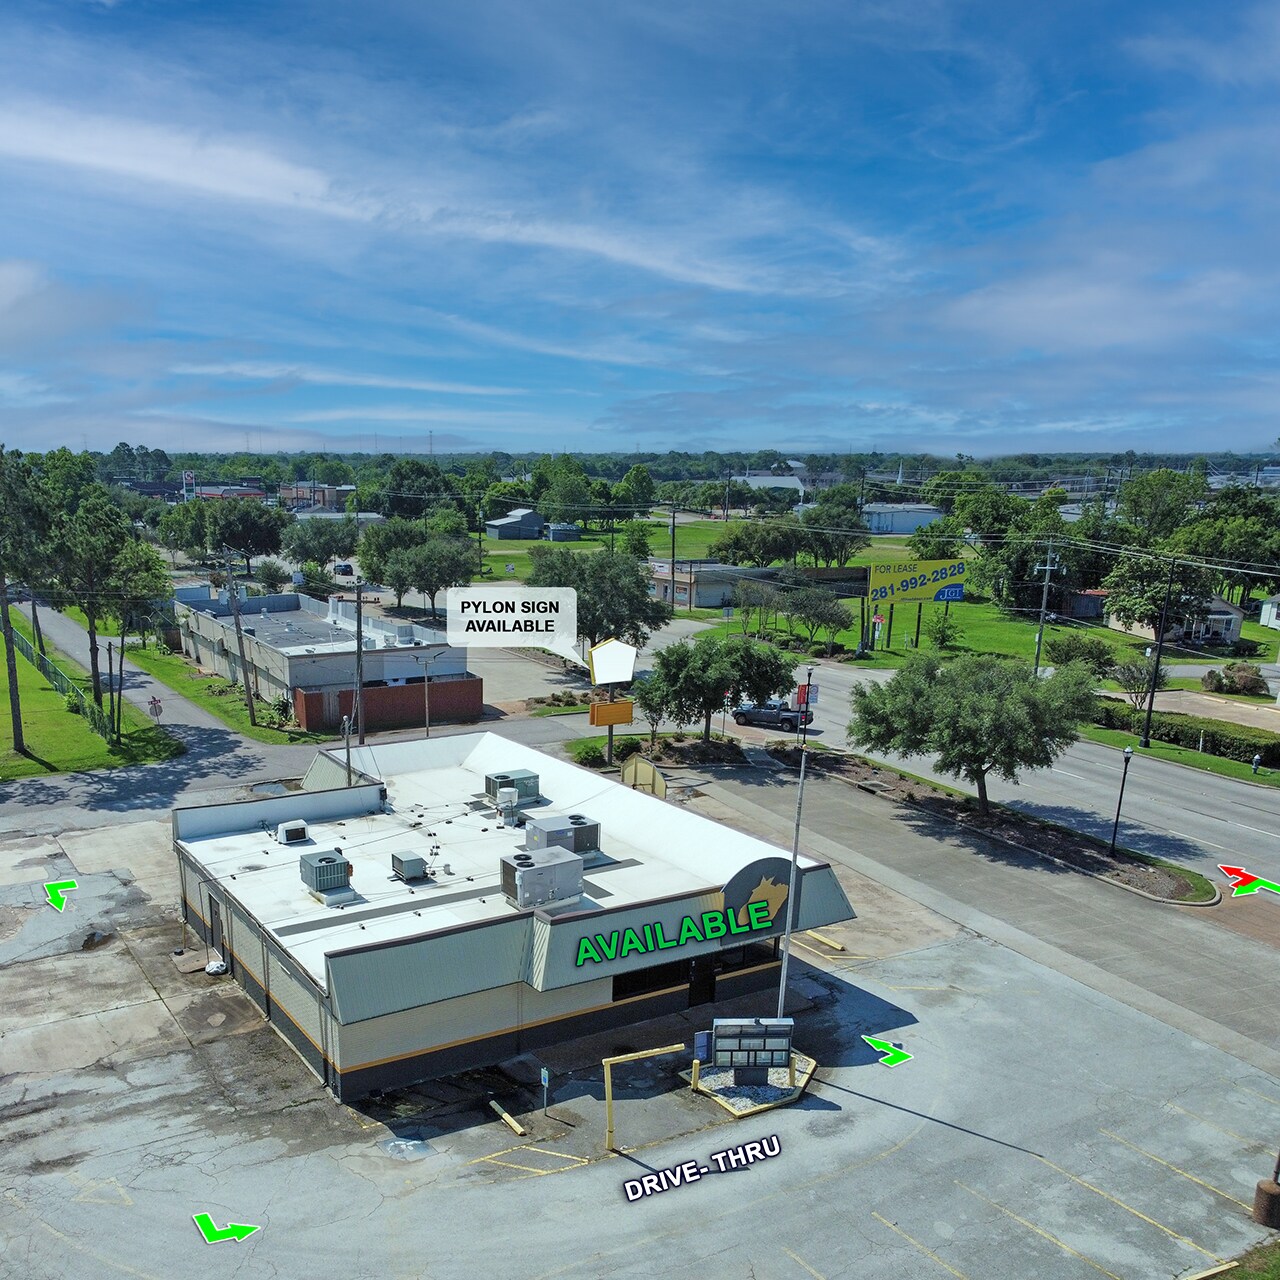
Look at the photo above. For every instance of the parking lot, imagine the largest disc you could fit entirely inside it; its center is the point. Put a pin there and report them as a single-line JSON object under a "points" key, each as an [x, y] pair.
{"points": [[1041, 1128]]}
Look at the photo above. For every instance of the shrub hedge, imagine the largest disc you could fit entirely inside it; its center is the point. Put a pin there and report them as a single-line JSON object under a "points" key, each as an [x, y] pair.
{"points": [[1231, 741]]}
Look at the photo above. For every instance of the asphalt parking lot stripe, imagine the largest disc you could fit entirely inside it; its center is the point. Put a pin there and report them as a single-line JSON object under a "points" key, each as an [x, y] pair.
{"points": [[1040, 1231], [817, 1275], [929, 1253], [1264, 1096], [795, 942], [1200, 1182], [1128, 1208], [1231, 1133]]}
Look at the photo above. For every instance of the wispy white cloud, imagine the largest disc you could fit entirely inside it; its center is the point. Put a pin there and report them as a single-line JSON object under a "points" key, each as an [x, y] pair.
{"points": [[266, 371]]}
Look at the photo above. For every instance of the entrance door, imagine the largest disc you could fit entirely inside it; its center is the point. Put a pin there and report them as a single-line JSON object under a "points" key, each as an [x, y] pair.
{"points": [[702, 980], [215, 928]]}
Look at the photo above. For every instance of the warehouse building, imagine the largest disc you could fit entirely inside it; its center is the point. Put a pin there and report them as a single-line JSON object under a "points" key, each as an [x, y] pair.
{"points": [[304, 650], [467, 899]]}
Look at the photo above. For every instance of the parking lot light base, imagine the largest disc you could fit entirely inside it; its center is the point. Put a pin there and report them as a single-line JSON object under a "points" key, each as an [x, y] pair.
{"points": [[1266, 1203]]}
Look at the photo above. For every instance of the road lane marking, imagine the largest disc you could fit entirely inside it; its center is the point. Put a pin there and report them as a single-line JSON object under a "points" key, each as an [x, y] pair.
{"points": [[1182, 835], [1069, 774], [817, 1275], [929, 1253], [1031, 1226], [1128, 1208], [1248, 1208]]}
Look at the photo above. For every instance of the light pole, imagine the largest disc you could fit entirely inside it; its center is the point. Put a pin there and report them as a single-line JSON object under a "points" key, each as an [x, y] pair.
{"points": [[795, 856], [1115, 826]]}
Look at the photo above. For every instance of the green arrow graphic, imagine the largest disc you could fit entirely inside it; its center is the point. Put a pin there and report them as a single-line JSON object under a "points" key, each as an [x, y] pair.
{"points": [[892, 1054], [56, 891], [232, 1231]]}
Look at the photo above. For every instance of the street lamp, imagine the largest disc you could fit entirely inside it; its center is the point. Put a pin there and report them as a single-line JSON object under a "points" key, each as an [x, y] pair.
{"points": [[795, 853], [1115, 826]]}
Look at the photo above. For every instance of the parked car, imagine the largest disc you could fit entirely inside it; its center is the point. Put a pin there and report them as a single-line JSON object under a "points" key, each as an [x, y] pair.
{"points": [[774, 714], [344, 569]]}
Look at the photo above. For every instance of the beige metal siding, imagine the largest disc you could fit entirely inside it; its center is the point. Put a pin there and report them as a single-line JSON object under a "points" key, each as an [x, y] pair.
{"points": [[324, 774], [370, 983], [472, 1017], [293, 995], [244, 940]]}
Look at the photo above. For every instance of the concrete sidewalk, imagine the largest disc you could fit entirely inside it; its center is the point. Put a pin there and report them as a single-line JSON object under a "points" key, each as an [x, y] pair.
{"points": [[1170, 962]]}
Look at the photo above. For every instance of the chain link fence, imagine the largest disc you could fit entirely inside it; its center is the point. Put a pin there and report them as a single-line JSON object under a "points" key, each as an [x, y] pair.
{"points": [[97, 718]]}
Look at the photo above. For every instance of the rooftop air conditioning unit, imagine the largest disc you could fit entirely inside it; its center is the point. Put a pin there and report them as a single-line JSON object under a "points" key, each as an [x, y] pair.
{"points": [[525, 782], [406, 867], [327, 876], [549, 877], [575, 832], [292, 832]]}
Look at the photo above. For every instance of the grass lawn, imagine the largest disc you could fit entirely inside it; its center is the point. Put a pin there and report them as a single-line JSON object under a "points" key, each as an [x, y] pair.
{"points": [[986, 629], [1191, 684], [214, 694], [1182, 755], [59, 740], [1265, 636], [1262, 1263]]}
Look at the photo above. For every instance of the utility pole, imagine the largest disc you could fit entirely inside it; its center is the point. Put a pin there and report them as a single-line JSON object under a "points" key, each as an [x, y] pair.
{"points": [[1145, 740], [1050, 564], [233, 594], [795, 852], [673, 556], [357, 708]]}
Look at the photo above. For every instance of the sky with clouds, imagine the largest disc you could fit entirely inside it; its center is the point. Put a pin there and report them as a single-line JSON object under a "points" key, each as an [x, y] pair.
{"points": [[531, 225]]}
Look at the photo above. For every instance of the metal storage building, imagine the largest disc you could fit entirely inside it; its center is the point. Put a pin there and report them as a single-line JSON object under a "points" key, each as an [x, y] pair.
{"points": [[612, 908]]}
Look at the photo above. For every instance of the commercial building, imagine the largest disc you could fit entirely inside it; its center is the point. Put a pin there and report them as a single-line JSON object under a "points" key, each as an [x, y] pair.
{"points": [[523, 523], [304, 650], [467, 899], [899, 517], [710, 583]]}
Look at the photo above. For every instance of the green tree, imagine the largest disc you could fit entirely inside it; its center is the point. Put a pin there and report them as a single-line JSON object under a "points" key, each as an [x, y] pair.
{"points": [[400, 572], [1135, 678], [21, 536], [1160, 502], [378, 541], [635, 491], [272, 575], [1078, 646], [250, 528], [650, 695], [941, 540], [440, 563], [1137, 586], [412, 488], [834, 526], [980, 715], [185, 528], [505, 496], [698, 675], [613, 591], [636, 535], [86, 546], [944, 629]]}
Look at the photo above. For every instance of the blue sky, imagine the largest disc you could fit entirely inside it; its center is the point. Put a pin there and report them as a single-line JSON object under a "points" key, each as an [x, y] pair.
{"points": [[529, 225]]}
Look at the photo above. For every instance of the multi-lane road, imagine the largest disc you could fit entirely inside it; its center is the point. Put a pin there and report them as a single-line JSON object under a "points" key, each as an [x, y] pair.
{"points": [[1197, 818]]}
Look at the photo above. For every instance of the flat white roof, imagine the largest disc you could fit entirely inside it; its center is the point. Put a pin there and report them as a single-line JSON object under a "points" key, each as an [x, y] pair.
{"points": [[653, 850]]}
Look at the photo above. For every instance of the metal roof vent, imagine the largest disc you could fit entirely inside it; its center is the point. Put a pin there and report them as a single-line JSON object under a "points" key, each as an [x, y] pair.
{"points": [[292, 832]]}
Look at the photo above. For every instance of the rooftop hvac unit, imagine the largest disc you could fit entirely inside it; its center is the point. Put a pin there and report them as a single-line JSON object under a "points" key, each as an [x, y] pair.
{"points": [[575, 832], [524, 781], [549, 877], [508, 798], [292, 832], [406, 867], [322, 872]]}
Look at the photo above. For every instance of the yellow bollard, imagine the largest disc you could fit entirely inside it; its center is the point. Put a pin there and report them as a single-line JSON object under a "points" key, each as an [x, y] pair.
{"points": [[608, 1064], [696, 1075], [791, 1069]]}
